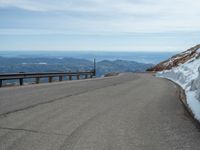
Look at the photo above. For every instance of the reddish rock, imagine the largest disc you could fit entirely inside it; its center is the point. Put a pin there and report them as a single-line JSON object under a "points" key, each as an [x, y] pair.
{"points": [[177, 59]]}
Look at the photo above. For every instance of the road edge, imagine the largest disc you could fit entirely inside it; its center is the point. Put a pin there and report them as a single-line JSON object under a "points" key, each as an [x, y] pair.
{"points": [[183, 99]]}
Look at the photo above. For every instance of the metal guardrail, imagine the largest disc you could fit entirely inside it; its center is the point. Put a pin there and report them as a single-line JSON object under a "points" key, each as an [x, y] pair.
{"points": [[49, 75]]}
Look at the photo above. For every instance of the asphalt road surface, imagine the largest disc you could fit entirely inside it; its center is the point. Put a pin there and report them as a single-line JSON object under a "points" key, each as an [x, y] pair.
{"points": [[126, 112]]}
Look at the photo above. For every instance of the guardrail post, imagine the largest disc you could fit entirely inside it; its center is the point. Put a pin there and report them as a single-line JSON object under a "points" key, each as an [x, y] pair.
{"points": [[94, 71], [37, 80], [50, 79], [1, 82], [21, 81], [37, 76], [78, 76], [70, 77], [60, 78]]}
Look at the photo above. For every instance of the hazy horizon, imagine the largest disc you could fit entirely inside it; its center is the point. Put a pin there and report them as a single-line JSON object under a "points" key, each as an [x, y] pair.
{"points": [[94, 51], [143, 57]]}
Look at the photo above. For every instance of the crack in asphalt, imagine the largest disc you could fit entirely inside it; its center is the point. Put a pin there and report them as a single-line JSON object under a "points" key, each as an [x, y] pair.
{"points": [[3, 115], [32, 131]]}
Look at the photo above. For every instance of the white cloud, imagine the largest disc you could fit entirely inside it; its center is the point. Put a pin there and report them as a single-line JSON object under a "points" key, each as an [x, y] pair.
{"points": [[120, 15], [109, 24]]}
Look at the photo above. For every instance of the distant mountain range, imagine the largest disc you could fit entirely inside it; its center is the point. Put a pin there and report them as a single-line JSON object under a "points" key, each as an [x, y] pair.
{"points": [[44, 64], [106, 66]]}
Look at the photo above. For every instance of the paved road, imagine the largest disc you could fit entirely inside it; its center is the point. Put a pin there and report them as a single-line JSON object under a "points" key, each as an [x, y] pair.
{"points": [[127, 112]]}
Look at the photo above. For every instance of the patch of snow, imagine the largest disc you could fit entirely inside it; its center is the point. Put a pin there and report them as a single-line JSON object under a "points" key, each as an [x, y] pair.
{"points": [[187, 52], [194, 104], [187, 75], [42, 63]]}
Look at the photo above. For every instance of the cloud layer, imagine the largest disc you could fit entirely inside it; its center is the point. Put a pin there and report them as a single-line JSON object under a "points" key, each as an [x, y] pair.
{"points": [[122, 18], [118, 15]]}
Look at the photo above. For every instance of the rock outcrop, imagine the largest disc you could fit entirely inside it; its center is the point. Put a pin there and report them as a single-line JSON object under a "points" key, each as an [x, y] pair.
{"points": [[177, 59]]}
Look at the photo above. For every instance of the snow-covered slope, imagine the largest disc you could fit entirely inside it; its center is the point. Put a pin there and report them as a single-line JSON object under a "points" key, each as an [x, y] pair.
{"points": [[187, 75], [176, 60]]}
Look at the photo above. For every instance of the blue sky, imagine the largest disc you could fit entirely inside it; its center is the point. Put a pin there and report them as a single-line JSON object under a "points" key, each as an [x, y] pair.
{"points": [[107, 25]]}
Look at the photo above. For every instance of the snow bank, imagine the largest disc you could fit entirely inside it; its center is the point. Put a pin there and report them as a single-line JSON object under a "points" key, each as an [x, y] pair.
{"points": [[187, 75]]}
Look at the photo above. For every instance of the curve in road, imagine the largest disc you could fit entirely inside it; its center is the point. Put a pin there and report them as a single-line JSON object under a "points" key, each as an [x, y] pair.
{"points": [[126, 112]]}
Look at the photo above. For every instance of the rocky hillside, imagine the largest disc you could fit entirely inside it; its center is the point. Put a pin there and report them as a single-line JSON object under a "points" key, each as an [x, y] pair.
{"points": [[177, 59]]}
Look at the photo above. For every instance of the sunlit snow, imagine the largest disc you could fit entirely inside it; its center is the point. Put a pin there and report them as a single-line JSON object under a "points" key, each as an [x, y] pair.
{"points": [[187, 75]]}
